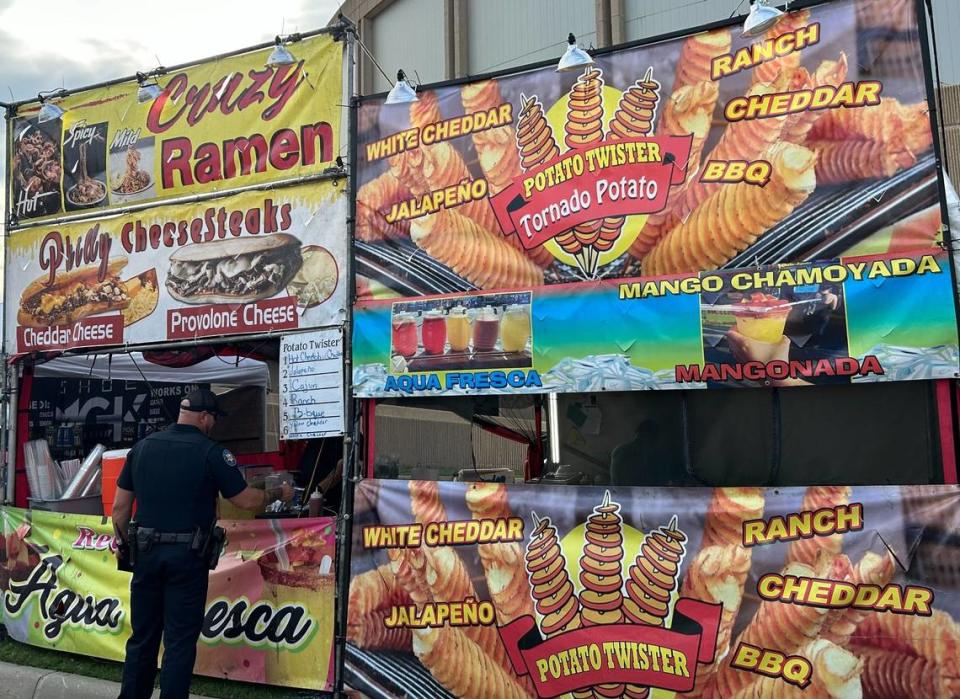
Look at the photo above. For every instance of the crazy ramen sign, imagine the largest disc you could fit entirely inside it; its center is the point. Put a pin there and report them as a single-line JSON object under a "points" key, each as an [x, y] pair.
{"points": [[214, 126]]}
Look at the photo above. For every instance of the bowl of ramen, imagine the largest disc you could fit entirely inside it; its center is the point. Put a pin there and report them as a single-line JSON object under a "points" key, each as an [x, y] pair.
{"points": [[87, 192], [133, 180]]}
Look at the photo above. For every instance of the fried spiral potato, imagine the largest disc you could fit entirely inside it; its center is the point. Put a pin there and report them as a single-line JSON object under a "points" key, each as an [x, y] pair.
{"points": [[443, 166], [696, 57], [741, 140], [375, 590], [461, 666], [371, 633], [449, 581], [481, 257], [633, 119], [374, 200], [425, 502], [769, 71], [735, 216], [502, 562], [797, 127], [815, 498], [717, 575], [409, 566], [426, 110], [550, 584], [897, 125], [841, 162], [729, 508], [893, 675], [785, 627], [836, 675], [935, 637]]}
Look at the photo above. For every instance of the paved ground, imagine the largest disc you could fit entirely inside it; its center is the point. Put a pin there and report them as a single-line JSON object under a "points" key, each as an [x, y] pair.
{"points": [[19, 682]]}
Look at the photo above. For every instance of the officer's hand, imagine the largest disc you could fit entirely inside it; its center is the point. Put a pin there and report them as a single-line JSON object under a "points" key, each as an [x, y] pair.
{"points": [[286, 492]]}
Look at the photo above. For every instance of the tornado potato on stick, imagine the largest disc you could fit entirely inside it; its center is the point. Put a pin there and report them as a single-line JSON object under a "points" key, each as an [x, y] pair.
{"points": [[481, 257], [584, 127], [461, 666], [770, 71], [816, 498], [735, 216], [374, 201], [785, 627], [370, 632], [835, 674], [696, 57], [741, 140], [841, 162], [893, 675], [502, 562], [798, 126], [375, 590], [497, 154], [633, 119], [717, 575], [872, 569]]}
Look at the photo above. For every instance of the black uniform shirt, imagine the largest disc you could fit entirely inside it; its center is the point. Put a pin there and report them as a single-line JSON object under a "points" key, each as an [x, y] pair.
{"points": [[175, 475]]}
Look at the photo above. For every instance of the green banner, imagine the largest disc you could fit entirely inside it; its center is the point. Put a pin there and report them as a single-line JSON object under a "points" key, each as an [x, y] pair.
{"points": [[269, 616]]}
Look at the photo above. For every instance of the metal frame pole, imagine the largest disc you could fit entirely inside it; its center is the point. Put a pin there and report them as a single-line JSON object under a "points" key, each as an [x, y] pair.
{"points": [[350, 460]]}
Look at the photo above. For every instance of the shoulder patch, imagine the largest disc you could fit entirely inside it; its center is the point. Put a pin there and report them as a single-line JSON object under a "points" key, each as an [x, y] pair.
{"points": [[229, 457]]}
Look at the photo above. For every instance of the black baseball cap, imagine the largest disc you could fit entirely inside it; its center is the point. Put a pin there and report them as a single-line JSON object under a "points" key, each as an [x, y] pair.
{"points": [[203, 400]]}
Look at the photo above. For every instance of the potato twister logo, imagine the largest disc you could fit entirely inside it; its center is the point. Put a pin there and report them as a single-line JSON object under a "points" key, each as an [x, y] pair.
{"points": [[610, 640], [633, 118]]}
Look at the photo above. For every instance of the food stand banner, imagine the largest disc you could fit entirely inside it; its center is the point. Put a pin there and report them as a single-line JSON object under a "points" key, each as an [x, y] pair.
{"points": [[215, 126], [886, 318], [694, 153], [251, 262], [485, 589], [269, 616]]}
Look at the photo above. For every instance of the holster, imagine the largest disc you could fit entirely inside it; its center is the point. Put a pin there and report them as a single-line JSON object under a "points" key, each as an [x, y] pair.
{"points": [[145, 538], [127, 549], [208, 545]]}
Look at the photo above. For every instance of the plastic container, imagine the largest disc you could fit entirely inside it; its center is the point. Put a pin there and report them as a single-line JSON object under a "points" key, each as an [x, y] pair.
{"points": [[113, 462]]}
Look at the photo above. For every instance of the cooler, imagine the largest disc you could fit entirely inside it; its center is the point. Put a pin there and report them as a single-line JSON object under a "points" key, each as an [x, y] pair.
{"points": [[112, 464]]}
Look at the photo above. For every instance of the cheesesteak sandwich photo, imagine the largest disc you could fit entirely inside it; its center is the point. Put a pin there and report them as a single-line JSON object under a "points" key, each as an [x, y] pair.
{"points": [[73, 295], [240, 270]]}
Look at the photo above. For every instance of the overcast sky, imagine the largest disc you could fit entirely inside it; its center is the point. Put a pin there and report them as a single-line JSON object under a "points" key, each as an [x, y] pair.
{"points": [[45, 45]]}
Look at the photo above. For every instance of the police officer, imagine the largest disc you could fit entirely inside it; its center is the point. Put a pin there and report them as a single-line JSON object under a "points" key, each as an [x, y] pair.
{"points": [[174, 476]]}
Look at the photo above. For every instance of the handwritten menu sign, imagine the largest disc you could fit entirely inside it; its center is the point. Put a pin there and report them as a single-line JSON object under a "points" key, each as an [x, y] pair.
{"points": [[311, 384]]}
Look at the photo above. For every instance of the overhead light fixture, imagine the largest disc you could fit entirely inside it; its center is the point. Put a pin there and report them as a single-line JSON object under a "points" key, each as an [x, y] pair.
{"points": [[402, 92], [149, 89], [49, 110], [574, 58], [762, 18], [280, 56]]}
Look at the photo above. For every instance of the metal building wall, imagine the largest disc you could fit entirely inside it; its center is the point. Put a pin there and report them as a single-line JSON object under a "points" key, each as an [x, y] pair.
{"points": [[409, 34], [646, 18], [506, 33], [946, 16]]}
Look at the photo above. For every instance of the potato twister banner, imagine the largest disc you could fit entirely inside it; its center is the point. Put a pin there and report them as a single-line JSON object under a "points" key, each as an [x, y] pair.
{"points": [[269, 616], [244, 263], [492, 590], [857, 319], [701, 152], [215, 126]]}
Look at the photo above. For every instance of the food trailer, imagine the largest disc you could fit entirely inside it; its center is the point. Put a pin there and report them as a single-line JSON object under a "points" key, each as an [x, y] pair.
{"points": [[657, 362], [183, 228]]}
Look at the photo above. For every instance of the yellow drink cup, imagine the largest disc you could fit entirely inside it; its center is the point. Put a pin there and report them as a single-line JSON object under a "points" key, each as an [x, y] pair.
{"points": [[762, 318], [515, 329], [458, 330], [306, 665]]}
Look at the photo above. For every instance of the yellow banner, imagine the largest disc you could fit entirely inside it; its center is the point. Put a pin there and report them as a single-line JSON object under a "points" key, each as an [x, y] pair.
{"points": [[215, 126]]}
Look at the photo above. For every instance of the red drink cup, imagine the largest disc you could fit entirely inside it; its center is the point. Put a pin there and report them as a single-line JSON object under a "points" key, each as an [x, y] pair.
{"points": [[404, 332], [434, 332]]}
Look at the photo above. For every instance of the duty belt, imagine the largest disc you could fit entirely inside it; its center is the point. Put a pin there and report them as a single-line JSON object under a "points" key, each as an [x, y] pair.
{"points": [[172, 538]]}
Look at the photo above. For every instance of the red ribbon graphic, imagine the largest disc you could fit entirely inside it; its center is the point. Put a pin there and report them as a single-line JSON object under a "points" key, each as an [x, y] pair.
{"points": [[524, 213], [646, 656]]}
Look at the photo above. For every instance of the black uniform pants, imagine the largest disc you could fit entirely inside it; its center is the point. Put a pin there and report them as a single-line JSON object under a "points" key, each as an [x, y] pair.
{"points": [[168, 596]]}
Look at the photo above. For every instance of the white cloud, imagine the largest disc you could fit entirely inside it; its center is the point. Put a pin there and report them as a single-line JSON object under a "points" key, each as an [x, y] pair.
{"points": [[59, 43]]}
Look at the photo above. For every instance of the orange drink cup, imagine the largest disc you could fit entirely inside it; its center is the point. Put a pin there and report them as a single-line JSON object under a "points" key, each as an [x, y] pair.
{"points": [[515, 329], [458, 329], [762, 318]]}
